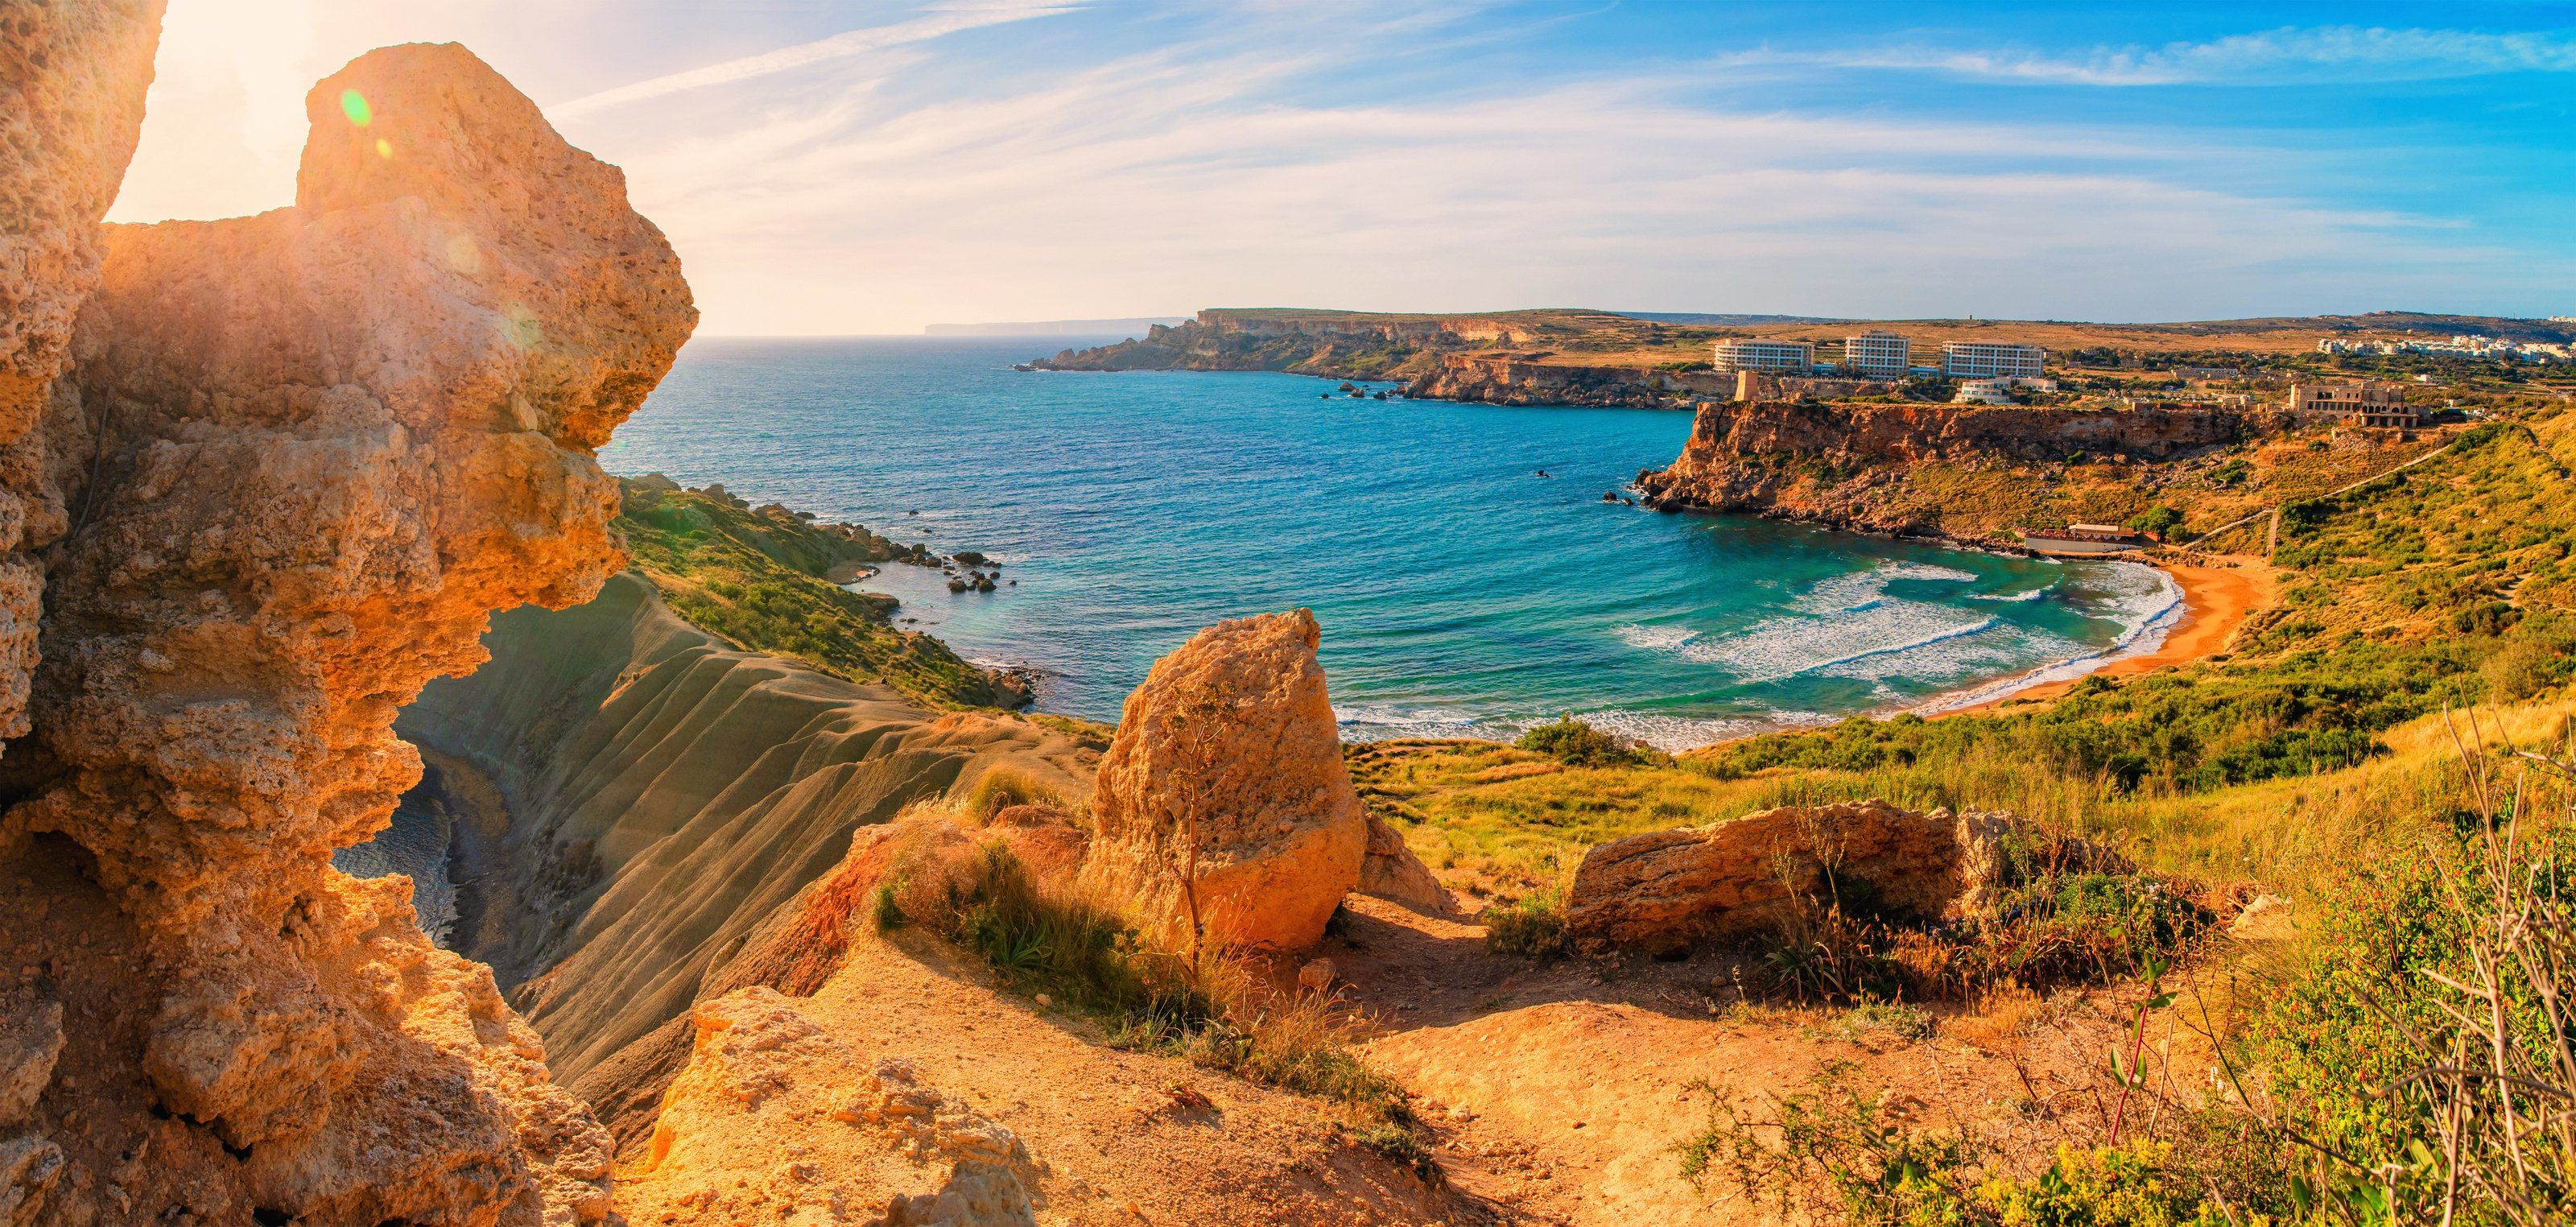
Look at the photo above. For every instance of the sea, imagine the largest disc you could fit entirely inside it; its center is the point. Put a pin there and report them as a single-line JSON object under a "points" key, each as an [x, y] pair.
{"points": [[1469, 577]]}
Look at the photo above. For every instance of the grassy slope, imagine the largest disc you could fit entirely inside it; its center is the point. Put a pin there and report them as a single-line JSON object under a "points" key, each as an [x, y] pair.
{"points": [[2450, 586], [758, 581]]}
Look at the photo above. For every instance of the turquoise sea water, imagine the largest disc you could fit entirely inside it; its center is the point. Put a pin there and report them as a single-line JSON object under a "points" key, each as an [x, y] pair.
{"points": [[1461, 593]]}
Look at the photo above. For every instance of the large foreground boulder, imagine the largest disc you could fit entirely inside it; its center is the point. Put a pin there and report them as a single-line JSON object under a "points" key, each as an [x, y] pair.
{"points": [[1228, 764], [1669, 890]]}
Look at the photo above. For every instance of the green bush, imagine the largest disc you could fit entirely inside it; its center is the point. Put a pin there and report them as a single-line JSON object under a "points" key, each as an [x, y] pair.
{"points": [[1532, 926], [1576, 744]]}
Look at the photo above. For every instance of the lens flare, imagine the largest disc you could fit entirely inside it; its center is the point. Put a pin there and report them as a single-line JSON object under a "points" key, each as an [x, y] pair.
{"points": [[520, 326], [463, 255], [354, 105], [384, 148]]}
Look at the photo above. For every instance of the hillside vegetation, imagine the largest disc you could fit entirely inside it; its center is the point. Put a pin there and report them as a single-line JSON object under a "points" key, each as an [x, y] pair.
{"points": [[764, 580], [2359, 752]]}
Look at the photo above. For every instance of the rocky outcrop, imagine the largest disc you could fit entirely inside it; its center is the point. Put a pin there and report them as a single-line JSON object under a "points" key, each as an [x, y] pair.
{"points": [[300, 458], [1391, 871], [1227, 775], [1670, 890], [654, 807], [774, 1117], [1335, 344], [1509, 380], [72, 78], [1850, 465]]}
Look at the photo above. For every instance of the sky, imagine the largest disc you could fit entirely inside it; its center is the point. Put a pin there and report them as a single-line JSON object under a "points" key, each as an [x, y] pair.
{"points": [[871, 166]]}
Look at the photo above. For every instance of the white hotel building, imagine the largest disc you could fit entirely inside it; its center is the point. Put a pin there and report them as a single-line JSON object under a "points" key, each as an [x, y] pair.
{"points": [[1987, 360], [1879, 352], [1739, 355]]}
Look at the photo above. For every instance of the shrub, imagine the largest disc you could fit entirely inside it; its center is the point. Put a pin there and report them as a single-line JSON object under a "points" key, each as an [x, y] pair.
{"points": [[1001, 788], [1532, 926], [1576, 744], [2157, 519]]}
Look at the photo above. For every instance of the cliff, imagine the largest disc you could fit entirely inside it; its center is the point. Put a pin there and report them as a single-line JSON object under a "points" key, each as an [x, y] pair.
{"points": [[1360, 345], [1508, 380], [296, 461], [1966, 471], [662, 799], [770, 580]]}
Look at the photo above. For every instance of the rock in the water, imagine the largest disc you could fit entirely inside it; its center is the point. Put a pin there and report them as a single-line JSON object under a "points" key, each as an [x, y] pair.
{"points": [[1668, 890], [1230, 745], [1391, 871], [2266, 918]]}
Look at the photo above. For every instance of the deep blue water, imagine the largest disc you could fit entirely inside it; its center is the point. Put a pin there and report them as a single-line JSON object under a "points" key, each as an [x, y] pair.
{"points": [[1460, 593]]}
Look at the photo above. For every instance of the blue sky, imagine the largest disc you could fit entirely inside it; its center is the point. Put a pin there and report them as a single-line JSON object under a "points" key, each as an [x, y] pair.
{"points": [[829, 166]]}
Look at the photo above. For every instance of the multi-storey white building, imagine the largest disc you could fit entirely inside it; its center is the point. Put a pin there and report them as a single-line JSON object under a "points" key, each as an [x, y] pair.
{"points": [[1741, 355], [1987, 359], [1878, 352]]}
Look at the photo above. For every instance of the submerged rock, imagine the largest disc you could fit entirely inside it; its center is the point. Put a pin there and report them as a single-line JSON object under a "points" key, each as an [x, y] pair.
{"points": [[1229, 749]]}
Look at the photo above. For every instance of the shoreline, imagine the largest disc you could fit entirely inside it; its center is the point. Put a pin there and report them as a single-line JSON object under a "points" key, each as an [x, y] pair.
{"points": [[2215, 601]]}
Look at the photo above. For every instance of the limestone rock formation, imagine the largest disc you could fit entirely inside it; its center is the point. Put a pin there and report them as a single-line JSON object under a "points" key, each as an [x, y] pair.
{"points": [[72, 77], [651, 807], [774, 1117], [1847, 465], [1228, 764], [300, 458], [1391, 871], [1668, 890]]}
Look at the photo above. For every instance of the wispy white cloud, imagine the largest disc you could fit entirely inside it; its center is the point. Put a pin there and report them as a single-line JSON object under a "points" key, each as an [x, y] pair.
{"points": [[2273, 57], [1189, 177], [946, 18]]}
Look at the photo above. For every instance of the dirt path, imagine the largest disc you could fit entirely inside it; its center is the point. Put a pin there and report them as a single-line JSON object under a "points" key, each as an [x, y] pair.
{"points": [[1559, 1089]]}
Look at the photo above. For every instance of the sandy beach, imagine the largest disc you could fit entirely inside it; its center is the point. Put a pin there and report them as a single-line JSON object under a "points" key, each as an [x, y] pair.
{"points": [[2216, 600]]}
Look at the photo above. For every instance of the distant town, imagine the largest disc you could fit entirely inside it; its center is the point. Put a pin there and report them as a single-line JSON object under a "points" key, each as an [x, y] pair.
{"points": [[1880, 362]]}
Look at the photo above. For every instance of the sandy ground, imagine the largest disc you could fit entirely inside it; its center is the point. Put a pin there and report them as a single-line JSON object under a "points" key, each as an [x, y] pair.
{"points": [[2217, 598], [1557, 1090], [1119, 1142]]}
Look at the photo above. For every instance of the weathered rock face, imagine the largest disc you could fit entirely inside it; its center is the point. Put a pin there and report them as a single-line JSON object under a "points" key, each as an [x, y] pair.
{"points": [[1493, 380], [1668, 890], [773, 1115], [1230, 747], [1391, 871], [1845, 465], [72, 77], [304, 454]]}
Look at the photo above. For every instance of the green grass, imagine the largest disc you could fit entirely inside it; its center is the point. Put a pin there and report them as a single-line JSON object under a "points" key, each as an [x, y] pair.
{"points": [[759, 582]]}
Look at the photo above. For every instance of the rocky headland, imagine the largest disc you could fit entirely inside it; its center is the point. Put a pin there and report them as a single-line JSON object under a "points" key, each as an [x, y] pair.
{"points": [[1965, 472]]}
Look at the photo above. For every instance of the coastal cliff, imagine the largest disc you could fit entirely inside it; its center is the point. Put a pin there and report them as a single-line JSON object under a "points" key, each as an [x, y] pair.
{"points": [[1969, 472], [296, 460], [1504, 379], [642, 805]]}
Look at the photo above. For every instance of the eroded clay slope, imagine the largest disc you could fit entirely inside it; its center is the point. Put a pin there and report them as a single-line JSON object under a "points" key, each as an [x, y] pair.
{"points": [[300, 458], [666, 797]]}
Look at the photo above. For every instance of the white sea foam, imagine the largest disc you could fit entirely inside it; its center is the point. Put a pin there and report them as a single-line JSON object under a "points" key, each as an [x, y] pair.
{"points": [[1674, 734], [2146, 601], [2017, 598], [1654, 638]]}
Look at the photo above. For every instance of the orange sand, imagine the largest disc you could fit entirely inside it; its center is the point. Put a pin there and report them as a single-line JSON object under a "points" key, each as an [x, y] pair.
{"points": [[2216, 600]]}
